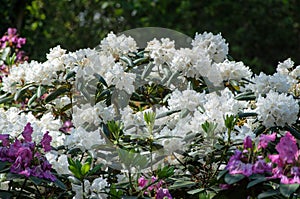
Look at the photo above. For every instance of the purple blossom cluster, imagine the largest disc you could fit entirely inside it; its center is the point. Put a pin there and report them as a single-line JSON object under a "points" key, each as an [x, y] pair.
{"points": [[25, 156], [161, 193], [283, 166], [12, 40]]}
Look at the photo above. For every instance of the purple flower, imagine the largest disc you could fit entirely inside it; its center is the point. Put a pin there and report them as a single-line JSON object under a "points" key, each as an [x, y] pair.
{"points": [[27, 132], [26, 172], [67, 126], [5, 139], [248, 143], [16, 167], [260, 166], [162, 194], [46, 142], [224, 186], [48, 175], [20, 42], [287, 148], [265, 139], [24, 155]]}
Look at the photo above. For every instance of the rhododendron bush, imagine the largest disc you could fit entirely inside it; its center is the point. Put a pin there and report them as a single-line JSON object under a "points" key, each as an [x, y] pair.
{"points": [[120, 121]]}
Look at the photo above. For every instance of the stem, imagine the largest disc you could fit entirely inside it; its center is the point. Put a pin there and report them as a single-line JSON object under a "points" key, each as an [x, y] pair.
{"points": [[83, 194], [23, 185], [130, 183]]}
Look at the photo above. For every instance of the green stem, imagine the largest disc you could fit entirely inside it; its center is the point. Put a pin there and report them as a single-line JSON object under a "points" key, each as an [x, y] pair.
{"points": [[130, 182]]}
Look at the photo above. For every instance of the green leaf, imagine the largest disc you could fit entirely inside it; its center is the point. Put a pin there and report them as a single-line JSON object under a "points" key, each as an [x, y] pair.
{"points": [[234, 84], [147, 70], [259, 130], [241, 115], [231, 179], [268, 194], [127, 60], [70, 75], [101, 79], [221, 174], [21, 91], [60, 91], [36, 180], [6, 194], [40, 91], [245, 96], [288, 189], [165, 172], [60, 184], [196, 191], [85, 168], [96, 169], [140, 60], [180, 184], [255, 182], [32, 99], [66, 107], [4, 166]]}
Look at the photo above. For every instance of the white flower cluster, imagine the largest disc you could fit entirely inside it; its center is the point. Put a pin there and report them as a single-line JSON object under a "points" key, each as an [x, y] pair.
{"points": [[94, 190], [187, 99], [277, 109], [264, 83], [233, 70], [216, 108], [118, 45], [161, 51], [215, 45]]}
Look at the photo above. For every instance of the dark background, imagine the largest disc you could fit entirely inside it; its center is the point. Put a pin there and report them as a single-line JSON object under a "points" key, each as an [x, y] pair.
{"points": [[259, 32]]}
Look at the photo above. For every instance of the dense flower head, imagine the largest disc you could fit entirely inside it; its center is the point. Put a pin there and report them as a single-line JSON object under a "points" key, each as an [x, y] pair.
{"points": [[265, 139], [287, 148], [25, 156], [12, 39], [277, 109], [215, 45]]}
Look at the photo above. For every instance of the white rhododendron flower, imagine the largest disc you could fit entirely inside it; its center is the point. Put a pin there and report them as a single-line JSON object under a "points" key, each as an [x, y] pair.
{"points": [[233, 70], [264, 83], [215, 45], [118, 45], [187, 99], [277, 109], [161, 51], [284, 67], [191, 63]]}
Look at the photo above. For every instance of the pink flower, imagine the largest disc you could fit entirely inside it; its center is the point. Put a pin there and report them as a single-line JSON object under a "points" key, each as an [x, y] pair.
{"points": [[287, 148], [265, 139], [11, 31], [142, 181]]}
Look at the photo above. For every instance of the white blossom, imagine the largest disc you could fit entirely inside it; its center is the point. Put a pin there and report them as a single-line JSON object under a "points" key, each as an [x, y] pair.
{"points": [[215, 46], [277, 109], [118, 45]]}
